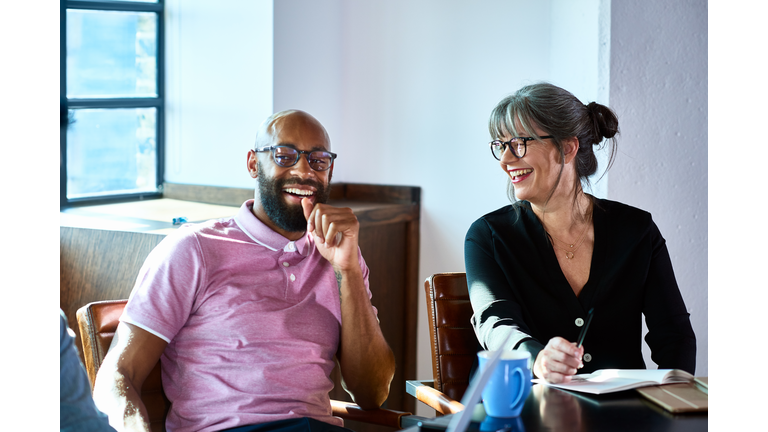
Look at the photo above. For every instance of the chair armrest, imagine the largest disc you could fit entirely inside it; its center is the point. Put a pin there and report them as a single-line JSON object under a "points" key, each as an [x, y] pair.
{"points": [[424, 391], [379, 416]]}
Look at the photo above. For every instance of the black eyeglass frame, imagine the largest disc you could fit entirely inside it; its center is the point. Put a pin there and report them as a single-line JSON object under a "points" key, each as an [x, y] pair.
{"points": [[506, 144], [272, 149]]}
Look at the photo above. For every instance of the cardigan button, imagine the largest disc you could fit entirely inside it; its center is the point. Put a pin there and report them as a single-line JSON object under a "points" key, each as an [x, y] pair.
{"points": [[579, 322], [587, 357]]}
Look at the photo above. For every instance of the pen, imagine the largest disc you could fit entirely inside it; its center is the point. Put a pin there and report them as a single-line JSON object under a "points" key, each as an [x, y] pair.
{"points": [[586, 326]]}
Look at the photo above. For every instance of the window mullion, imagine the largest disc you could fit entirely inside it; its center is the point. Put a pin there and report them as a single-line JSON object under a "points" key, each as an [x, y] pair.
{"points": [[116, 103], [115, 6]]}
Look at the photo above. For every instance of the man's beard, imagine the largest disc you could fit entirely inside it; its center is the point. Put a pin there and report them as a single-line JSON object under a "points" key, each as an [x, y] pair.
{"points": [[288, 217]]}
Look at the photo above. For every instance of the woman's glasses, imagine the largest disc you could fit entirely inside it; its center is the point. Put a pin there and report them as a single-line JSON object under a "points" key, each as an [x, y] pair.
{"points": [[518, 145], [287, 156]]}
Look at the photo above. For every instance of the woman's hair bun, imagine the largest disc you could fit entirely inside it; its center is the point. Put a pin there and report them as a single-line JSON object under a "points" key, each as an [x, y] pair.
{"points": [[606, 124]]}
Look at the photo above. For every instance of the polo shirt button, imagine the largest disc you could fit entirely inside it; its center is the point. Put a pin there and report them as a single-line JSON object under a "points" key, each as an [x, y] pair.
{"points": [[293, 278], [579, 322], [285, 264], [587, 357]]}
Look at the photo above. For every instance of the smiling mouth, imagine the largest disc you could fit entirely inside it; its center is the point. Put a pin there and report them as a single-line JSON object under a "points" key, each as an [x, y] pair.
{"points": [[300, 193], [520, 172]]}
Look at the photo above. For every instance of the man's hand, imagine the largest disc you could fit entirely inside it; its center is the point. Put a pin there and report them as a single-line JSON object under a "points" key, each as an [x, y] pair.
{"points": [[558, 361], [336, 233]]}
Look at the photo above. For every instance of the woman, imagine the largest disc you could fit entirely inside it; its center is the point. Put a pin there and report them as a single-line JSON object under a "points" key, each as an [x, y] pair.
{"points": [[536, 267]]}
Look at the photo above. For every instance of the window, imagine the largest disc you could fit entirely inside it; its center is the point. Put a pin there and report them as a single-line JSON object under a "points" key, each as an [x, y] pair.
{"points": [[112, 81]]}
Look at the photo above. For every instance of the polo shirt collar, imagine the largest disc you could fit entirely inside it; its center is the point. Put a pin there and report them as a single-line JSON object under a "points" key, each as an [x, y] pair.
{"points": [[264, 235]]}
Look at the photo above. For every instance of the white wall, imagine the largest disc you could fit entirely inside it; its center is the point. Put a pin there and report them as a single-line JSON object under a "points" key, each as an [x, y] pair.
{"points": [[580, 62], [218, 88], [411, 100], [405, 89], [308, 63], [659, 91]]}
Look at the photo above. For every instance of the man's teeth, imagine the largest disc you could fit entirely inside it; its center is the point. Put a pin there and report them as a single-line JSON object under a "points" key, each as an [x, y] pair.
{"points": [[301, 192], [520, 172]]}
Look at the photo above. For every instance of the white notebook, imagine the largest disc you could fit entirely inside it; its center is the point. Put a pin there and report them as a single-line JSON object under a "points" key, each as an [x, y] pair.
{"points": [[614, 380]]}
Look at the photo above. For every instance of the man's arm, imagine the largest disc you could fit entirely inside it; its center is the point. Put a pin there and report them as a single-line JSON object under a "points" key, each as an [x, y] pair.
{"points": [[366, 361], [117, 392]]}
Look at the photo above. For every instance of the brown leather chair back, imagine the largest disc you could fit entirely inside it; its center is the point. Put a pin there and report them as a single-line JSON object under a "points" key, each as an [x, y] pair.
{"points": [[98, 322], [454, 345]]}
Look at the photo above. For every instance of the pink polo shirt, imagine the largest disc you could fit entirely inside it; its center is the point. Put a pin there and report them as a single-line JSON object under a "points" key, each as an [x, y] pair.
{"points": [[252, 322]]}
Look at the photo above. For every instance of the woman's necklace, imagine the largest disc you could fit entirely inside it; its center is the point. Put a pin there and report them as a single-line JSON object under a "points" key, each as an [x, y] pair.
{"points": [[572, 247]]}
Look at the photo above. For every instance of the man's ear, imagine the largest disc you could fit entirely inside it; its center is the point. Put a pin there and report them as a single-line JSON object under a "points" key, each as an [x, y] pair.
{"points": [[570, 148], [253, 163]]}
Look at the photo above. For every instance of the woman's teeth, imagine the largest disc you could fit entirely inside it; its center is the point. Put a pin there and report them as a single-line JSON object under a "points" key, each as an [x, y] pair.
{"points": [[521, 172]]}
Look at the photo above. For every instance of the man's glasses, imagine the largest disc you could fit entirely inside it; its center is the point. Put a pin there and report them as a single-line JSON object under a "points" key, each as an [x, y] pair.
{"points": [[287, 156], [518, 145]]}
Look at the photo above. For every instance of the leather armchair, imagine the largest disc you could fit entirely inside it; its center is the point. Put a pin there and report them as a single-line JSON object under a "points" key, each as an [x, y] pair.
{"points": [[453, 342], [98, 322]]}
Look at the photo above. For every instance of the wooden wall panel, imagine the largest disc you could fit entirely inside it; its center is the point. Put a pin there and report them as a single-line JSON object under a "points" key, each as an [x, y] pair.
{"points": [[99, 265], [207, 194], [383, 247]]}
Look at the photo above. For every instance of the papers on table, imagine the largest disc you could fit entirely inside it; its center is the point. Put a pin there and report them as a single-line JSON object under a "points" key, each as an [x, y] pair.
{"points": [[613, 380]]}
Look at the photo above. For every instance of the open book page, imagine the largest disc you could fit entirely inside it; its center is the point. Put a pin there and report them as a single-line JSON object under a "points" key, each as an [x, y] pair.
{"points": [[613, 380]]}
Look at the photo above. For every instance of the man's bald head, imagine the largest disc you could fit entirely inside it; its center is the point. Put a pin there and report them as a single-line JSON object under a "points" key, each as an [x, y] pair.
{"points": [[299, 121]]}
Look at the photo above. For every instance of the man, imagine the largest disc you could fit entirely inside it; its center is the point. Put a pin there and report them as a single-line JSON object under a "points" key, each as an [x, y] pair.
{"points": [[248, 312]]}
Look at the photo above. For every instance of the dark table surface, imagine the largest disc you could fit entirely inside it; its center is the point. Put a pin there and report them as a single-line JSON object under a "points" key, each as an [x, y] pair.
{"points": [[550, 409]]}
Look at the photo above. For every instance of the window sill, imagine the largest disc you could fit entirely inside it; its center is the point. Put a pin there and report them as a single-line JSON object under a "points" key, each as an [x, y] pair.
{"points": [[151, 216]]}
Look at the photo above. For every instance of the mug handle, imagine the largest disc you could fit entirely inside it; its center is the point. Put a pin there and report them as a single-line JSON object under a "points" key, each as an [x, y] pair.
{"points": [[522, 387]]}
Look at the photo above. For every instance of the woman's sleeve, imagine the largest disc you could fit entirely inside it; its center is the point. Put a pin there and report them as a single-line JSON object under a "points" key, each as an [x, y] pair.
{"points": [[670, 335], [496, 313]]}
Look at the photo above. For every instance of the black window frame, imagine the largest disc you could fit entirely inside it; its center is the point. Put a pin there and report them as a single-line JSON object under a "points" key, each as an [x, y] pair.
{"points": [[140, 102]]}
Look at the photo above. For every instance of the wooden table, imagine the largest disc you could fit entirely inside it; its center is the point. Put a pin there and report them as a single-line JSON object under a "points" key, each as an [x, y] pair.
{"points": [[552, 410]]}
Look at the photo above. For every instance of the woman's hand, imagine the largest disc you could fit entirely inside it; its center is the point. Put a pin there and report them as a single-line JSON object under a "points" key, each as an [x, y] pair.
{"points": [[558, 361]]}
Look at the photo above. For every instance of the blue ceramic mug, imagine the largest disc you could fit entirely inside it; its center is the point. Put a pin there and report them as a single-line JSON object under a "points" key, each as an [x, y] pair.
{"points": [[498, 424], [505, 393]]}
